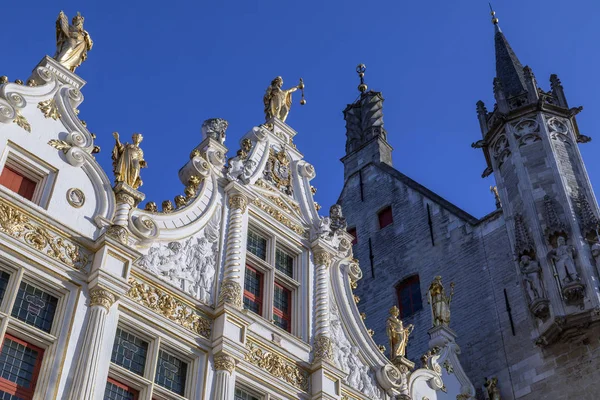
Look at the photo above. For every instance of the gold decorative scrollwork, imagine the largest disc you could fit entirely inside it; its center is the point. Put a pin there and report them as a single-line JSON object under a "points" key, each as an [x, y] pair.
{"points": [[49, 109], [60, 145], [22, 121], [101, 297], [322, 258], [224, 362], [278, 215], [169, 307], [238, 201], [277, 366], [20, 226], [231, 293]]}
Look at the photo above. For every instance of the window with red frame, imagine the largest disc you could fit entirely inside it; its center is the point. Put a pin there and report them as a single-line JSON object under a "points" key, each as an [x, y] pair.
{"points": [[20, 364], [352, 231], [385, 217], [118, 391], [253, 290], [409, 296], [18, 183], [282, 306]]}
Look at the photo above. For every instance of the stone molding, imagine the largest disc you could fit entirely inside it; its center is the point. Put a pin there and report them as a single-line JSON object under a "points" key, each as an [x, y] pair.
{"points": [[224, 362], [102, 297], [238, 201]]}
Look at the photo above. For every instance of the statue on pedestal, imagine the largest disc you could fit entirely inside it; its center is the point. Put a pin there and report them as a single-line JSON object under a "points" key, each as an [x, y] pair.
{"points": [[531, 271], [128, 159], [563, 256], [72, 41], [491, 387], [398, 334], [278, 101], [440, 303]]}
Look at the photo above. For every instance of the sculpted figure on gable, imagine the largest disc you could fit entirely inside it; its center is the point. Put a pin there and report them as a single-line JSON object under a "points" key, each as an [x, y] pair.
{"points": [[215, 128], [189, 265], [72, 41]]}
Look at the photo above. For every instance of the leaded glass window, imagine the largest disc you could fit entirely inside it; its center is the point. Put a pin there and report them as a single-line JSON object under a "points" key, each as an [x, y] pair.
{"points": [[253, 288], [35, 307], [171, 372], [129, 352], [257, 245], [281, 307], [241, 394], [4, 277], [8, 396], [284, 262], [19, 367], [116, 391]]}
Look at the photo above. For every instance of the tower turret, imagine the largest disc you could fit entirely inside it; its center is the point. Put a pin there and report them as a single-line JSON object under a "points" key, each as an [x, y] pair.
{"points": [[530, 144]]}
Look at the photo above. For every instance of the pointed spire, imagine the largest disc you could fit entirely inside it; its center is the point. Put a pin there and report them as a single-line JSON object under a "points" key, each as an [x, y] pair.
{"points": [[509, 69]]}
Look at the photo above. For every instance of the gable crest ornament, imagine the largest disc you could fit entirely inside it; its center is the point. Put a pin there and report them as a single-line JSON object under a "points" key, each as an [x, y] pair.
{"points": [[278, 170]]}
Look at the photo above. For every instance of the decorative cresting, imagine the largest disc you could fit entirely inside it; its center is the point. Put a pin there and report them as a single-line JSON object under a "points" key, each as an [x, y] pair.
{"points": [[171, 308], [277, 365], [48, 241], [323, 346], [224, 362], [102, 297]]}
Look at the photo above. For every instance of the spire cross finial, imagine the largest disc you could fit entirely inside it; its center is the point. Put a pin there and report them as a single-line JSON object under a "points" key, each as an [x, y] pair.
{"points": [[493, 13], [360, 70]]}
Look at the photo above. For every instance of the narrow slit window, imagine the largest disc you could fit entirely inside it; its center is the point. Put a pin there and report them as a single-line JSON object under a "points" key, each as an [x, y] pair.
{"points": [[282, 305], [253, 290], [385, 217]]}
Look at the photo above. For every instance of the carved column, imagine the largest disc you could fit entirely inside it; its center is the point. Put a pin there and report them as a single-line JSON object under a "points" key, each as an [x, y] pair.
{"points": [[231, 288], [224, 381], [322, 345], [84, 383], [127, 198]]}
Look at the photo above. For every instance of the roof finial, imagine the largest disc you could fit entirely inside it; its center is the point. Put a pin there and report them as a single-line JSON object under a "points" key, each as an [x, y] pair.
{"points": [[360, 69], [493, 13]]}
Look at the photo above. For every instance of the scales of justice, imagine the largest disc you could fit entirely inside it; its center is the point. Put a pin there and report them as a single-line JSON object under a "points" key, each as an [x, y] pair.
{"points": [[278, 101]]}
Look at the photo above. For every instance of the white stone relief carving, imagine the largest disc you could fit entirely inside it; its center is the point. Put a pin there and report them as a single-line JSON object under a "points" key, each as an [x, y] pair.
{"points": [[346, 358], [190, 264]]}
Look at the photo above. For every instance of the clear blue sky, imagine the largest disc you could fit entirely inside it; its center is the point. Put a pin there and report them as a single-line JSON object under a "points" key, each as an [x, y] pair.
{"points": [[161, 68]]}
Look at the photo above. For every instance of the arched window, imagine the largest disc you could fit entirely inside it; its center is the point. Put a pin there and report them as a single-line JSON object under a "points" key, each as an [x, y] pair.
{"points": [[409, 296]]}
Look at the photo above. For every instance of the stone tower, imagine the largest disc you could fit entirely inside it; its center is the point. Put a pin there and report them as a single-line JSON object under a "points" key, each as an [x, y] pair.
{"points": [[530, 142]]}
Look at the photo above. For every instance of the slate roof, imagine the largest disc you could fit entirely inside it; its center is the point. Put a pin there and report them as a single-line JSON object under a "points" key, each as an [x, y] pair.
{"points": [[508, 67]]}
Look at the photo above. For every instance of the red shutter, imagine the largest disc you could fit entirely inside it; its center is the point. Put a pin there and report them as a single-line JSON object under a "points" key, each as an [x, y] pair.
{"points": [[18, 183]]}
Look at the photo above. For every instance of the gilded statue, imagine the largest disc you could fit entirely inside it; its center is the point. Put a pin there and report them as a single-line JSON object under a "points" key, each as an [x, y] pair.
{"points": [[278, 101], [397, 333], [440, 302], [72, 41], [491, 387], [128, 159]]}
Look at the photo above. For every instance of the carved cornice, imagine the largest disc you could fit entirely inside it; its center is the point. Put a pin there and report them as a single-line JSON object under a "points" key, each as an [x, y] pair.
{"points": [[277, 366], [278, 215], [169, 307], [224, 362], [238, 201], [20, 226], [102, 297]]}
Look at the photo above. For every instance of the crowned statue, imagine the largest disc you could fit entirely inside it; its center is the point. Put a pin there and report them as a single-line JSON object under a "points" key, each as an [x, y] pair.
{"points": [[278, 101], [440, 302], [128, 159], [72, 41], [398, 334]]}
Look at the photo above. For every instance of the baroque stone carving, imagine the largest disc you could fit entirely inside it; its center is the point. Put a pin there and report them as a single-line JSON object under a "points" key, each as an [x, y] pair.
{"points": [[397, 334], [72, 147], [359, 377], [75, 197], [491, 387], [224, 362], [323, 348], [215, 128], [277, 366], [21, 121], [440, 302], [72, 41], [169, 307], [102, 297], [278, 171], [189, 265], [20, 226], [231, 293], [238, 201], [49, 109], [240, 167], [322, 258], [279, 216]]}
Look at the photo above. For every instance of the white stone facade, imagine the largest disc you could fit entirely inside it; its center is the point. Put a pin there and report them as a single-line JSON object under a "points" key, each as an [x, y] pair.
{"points": [[152, 303]]}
